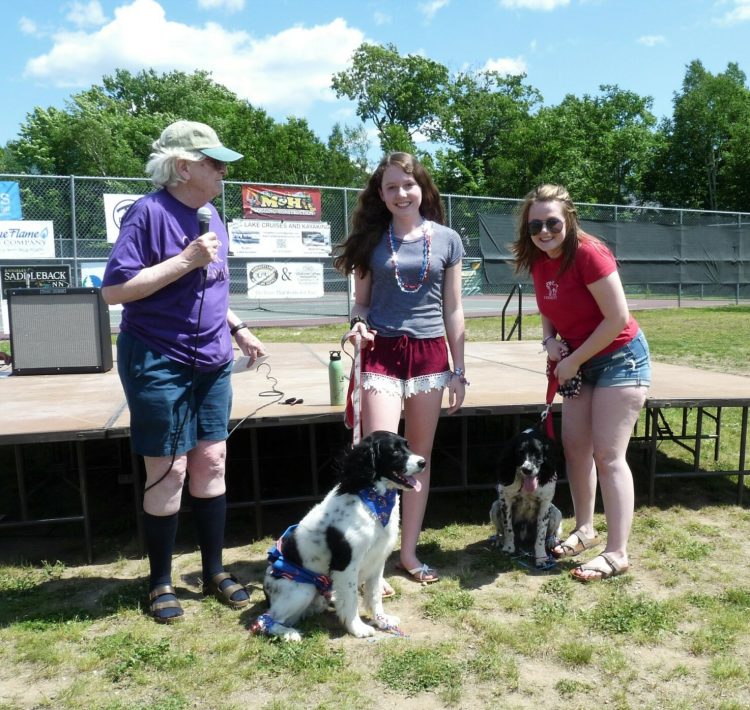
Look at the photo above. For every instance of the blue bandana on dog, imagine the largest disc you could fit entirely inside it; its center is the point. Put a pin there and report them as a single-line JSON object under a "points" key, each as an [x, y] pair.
{"points": [[380, 506]]}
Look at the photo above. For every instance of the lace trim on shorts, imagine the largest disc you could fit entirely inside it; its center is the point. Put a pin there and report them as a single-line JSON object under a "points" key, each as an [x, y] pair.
{"points": [[400, 388]]}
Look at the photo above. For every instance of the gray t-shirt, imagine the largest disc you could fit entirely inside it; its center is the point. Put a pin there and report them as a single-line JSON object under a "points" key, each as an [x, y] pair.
{"points": [[417, 314]]}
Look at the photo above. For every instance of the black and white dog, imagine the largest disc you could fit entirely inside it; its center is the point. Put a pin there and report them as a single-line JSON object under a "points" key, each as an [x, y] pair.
{"points": [[342, 543], [524, 509]]}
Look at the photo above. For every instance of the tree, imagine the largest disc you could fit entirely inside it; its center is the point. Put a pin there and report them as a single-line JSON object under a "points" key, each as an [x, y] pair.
{"points": [[597, 146], [400, 95], [347, 163], [482, 119], [705, 153], [108, 130]]}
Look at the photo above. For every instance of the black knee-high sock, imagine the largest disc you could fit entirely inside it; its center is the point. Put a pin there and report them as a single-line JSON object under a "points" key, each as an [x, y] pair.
{"points": [[210, 516], [160, 531]]}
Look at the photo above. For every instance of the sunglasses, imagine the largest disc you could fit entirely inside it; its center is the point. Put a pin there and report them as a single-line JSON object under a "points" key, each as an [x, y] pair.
{"points": [[218, 165], [554, 226]]}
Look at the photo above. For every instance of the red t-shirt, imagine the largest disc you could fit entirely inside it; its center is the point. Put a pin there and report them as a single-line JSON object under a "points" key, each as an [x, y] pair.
{"points": [[567, 302]]}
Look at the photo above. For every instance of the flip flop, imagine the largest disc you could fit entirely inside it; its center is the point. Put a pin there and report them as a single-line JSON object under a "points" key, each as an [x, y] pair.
{"points": [[580, 543], [422, 574], [612, 569]]}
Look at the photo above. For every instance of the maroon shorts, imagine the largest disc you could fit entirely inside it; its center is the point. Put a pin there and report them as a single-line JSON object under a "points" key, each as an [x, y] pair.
{"points": [[405, 366]]}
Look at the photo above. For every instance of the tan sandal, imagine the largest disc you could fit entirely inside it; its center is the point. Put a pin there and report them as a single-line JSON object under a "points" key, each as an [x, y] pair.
{"points": [[580, 543], [613, 568]]}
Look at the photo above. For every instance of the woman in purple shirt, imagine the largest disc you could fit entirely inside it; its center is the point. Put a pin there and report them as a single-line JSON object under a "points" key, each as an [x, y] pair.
{"points": [[174, 352]]}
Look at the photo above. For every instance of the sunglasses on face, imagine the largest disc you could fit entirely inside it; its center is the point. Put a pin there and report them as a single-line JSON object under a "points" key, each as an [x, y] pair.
{"points": [[216, 164], [553, 225]]}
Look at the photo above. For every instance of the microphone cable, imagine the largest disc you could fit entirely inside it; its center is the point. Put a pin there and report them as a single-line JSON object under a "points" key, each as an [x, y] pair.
{"points": [[191, 389]]}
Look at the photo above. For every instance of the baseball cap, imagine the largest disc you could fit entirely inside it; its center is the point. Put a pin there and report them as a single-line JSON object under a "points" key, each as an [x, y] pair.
{"points": [[191, 135]]}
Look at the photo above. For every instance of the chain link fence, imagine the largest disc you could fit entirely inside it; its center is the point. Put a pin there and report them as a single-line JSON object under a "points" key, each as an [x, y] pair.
{"points": [[76, 207]]}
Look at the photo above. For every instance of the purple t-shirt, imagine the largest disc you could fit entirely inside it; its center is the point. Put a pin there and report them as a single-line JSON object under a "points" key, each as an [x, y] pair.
{"points": [[155, 228]]}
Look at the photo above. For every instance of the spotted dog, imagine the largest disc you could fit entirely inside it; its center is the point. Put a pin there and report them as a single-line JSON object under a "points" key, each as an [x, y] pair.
{"points": [[342, 543], [523, 510]]}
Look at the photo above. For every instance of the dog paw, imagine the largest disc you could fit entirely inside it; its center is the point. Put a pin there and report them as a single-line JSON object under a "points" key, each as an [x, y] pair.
{"points": [[361, 630], [509, 548], [386, 621]]}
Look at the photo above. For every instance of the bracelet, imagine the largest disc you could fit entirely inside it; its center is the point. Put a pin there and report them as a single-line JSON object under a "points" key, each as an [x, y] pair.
{"points": [[235, 328], [355, 320], [459, 372], [547, 339]]}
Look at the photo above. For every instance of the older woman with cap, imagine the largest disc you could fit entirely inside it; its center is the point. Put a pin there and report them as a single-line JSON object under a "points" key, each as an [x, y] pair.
{"points": [[174, 352]]}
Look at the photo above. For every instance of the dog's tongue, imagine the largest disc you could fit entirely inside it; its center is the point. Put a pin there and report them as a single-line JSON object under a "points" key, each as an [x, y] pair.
{"points": [[414, 482], [530, 484]]}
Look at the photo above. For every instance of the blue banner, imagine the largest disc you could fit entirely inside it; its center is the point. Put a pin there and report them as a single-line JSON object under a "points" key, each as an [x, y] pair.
{"points": [[10, 201]]}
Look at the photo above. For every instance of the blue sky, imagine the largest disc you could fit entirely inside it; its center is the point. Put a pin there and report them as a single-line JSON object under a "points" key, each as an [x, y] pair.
{"points": [[280, 54]]}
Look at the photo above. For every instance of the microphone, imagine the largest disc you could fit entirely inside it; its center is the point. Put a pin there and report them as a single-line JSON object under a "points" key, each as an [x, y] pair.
{"points": [[204, 218]]}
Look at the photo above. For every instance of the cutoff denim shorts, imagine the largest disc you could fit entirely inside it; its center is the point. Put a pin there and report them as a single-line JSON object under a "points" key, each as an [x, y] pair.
{"points": [[628, 366], [167, 415]]}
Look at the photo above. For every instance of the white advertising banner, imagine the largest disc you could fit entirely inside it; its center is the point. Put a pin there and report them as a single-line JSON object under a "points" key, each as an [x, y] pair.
{"points": [[284, 280], [272, 239], [26, 239], [115, 207]]}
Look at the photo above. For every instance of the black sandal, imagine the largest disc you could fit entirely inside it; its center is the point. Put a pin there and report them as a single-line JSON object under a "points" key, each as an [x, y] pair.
{"points": [[156, 607], [224, 595]]}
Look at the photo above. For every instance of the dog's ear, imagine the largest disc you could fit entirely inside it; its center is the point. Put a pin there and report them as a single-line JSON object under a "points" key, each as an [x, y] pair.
{"points": [[506, 464], [358, 469], [548, 467]]}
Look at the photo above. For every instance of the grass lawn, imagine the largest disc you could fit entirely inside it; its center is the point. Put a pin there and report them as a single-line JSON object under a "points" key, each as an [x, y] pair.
{"points": [[672, 633]]}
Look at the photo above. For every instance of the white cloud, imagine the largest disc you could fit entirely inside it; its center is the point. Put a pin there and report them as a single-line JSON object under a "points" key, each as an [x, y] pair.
{"points": [[28, 27], [506, 66], [430, 9], [283, 72], [86, 14], [651, 40], [545, 5], [740, 13], [228, 5], [381, 18]]}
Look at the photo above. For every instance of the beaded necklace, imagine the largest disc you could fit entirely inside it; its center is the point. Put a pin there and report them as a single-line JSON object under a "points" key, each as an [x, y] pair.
{"points": [[425, 268]]}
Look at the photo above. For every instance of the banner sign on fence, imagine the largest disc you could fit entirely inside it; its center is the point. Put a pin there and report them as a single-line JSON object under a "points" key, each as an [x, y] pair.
{"points": [[10, 201], [54, 276], [285, 280], [27, 240], [115, 207], [280, 203], [248, 237]]}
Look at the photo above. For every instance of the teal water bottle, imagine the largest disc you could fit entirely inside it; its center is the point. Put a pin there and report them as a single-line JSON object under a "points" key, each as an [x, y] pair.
{"points": [[336, 377]]}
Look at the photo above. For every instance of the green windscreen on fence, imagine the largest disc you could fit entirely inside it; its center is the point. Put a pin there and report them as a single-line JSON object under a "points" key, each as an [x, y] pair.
{"points": [[646, 253]]}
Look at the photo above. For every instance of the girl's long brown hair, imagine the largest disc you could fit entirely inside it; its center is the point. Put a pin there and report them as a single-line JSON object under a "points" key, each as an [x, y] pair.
{"points": [[371, 217]]}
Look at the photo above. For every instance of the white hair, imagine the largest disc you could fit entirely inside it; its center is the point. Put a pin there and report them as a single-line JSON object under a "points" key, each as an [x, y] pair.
{"points": [[162, 164]]}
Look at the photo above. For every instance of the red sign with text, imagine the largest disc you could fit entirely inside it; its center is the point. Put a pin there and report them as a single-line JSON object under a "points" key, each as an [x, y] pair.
{"points": [[276, 202]]}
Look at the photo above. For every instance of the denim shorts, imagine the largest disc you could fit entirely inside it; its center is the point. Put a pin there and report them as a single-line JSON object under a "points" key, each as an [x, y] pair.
{"points": [[628, 366], [172, 406]]}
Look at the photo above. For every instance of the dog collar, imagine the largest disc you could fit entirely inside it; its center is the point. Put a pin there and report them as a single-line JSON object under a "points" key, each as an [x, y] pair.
{"points": [[380, 506]]}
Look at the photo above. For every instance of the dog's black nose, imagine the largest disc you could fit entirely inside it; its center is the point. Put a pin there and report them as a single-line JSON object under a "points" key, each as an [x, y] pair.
{"points": [[421, 463]]}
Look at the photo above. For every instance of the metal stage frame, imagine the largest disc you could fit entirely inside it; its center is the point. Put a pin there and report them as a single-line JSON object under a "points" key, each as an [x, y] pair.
{"points": [[507, 380]]}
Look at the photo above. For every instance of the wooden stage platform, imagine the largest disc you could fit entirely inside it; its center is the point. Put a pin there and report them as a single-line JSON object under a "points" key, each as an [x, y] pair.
{"points": [[507, 378]]}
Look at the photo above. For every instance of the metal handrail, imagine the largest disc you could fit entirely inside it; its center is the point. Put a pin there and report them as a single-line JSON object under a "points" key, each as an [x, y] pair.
{"points": [[519, 316]]}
